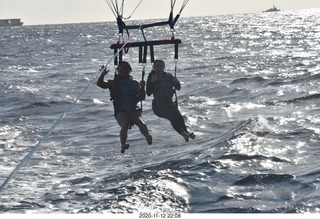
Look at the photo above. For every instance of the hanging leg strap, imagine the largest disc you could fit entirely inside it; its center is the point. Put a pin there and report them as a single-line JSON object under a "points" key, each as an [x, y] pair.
{"points": [[176, 51], [176, 56], [175, 74], [151, 54], [143, 61]]}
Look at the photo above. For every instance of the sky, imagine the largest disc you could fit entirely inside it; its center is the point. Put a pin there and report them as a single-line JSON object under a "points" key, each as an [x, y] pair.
{"points": [[37, 12]]}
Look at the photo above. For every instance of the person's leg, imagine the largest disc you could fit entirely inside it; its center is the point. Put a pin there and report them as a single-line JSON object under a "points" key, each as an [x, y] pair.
{"points": [[178, 124], [136, 119], [173, 114], [123, 121]]}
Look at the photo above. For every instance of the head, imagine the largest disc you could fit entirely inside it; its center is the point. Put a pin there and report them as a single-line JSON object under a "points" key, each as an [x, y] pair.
{"points": [[159, 66], [124, 68]]}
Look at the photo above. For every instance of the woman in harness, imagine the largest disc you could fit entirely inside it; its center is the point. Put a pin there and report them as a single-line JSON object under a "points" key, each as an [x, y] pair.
{"points": [[125, 94], [161, 84]]}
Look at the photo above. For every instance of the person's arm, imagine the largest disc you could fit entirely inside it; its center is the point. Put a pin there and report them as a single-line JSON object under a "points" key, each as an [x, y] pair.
{"points": [[150, 85], [176, 83], [139, 87], [101, 83]]}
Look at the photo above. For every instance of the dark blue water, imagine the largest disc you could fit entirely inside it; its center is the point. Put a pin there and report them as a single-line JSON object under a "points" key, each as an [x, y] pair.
{"points": [[250, 92]]}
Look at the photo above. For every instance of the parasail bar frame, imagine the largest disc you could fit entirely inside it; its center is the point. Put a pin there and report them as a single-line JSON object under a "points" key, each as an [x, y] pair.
{"points": [[146, 43]]}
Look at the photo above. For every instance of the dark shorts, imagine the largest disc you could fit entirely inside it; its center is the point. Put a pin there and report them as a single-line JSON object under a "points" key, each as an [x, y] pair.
{"points": [[127, 112]]}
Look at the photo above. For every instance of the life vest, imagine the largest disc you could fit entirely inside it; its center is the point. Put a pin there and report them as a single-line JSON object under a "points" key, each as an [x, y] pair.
{"points": [[123, 93], [163, 90]]}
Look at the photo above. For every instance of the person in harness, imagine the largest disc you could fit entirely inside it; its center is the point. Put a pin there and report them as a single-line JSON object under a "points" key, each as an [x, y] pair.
{"points": [[125, 94], [162, 84]]}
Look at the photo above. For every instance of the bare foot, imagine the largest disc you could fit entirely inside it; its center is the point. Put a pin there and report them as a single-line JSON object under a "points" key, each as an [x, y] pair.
{"points": [[124, 148], [185, 135], [192, 135], [188, 135], [149, 139]]}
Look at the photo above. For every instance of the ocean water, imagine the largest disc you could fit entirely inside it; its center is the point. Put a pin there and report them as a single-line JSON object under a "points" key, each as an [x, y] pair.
{"points": [[250, 92]]}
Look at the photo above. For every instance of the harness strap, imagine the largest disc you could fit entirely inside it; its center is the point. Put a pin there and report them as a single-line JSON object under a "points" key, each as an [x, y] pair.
{"points": [[151, 53], [115, 61], [143, 61], [143, 74], [175, 75], [176, 51], [140, 54]]}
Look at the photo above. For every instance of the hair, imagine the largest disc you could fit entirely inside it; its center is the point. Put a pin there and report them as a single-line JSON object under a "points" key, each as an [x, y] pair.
{"points": [[159, 60], [125, 63]]}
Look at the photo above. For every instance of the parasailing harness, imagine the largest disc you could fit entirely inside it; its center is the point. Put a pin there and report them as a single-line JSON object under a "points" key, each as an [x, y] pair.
{"points": [[145, 45]]}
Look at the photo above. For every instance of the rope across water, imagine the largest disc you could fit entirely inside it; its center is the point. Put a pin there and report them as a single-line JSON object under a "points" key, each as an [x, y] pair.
{"points": [[56, 124]]}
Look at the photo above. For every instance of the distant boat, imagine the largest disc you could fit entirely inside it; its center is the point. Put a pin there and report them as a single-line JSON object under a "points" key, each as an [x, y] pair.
{"points": [[10, 22], [272, 9]]}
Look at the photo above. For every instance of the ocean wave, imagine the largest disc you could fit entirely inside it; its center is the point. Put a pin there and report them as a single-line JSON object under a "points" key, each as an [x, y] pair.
{"points": [[265, 179], [307, 99], [258, 79], [242, 157]]}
